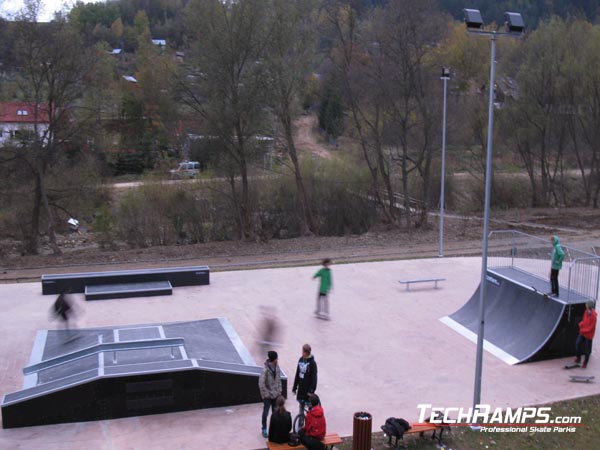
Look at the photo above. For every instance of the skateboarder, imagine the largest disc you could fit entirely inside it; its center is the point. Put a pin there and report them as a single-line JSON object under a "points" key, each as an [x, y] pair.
{"points": [[557, 259], [322, 310], [63, 310], [587, 329]]}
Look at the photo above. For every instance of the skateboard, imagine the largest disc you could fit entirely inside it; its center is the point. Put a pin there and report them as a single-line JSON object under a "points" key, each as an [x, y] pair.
{"points": [[582, 378], [572, 365], [543, 294]]}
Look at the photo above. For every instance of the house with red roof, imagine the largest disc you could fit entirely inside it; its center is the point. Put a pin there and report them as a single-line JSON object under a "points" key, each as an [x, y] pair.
{"points": [[20, 120]]}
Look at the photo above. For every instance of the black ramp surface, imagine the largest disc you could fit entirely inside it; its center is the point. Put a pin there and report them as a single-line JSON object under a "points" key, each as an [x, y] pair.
{"points": [[209, 342], [518, 320]]}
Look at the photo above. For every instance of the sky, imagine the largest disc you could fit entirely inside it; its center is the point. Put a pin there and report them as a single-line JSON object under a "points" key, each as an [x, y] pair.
{"points": [[10, 7]]}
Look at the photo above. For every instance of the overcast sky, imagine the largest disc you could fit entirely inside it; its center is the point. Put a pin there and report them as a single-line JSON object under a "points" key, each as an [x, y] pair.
{"points": [[10, 7]]}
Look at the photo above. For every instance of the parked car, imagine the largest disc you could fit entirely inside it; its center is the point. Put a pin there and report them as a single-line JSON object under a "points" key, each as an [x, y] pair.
{"points": [[186, 169]]}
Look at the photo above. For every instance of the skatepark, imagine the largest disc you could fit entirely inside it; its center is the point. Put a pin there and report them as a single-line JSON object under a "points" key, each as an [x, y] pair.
{"points": [[384, 351]]}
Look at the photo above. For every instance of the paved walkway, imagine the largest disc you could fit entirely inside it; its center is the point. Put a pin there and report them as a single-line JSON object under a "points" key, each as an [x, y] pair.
{"points": [[385, 351]]}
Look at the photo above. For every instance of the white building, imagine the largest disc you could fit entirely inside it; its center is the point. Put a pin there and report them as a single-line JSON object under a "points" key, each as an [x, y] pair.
{"points": [[19, 120]]}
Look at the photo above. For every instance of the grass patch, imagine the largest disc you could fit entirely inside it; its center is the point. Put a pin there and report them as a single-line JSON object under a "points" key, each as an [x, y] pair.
{"points": [[463, 438]]}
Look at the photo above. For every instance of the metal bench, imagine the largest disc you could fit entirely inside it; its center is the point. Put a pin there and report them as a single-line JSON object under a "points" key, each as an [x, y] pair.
{"points": [[423, 280]]}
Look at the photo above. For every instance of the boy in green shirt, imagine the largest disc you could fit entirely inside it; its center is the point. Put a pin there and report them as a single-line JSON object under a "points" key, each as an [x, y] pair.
{"points": [[322, 311]]}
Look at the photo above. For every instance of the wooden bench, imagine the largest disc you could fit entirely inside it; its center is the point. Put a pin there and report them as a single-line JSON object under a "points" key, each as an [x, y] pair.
{"points": [[329, 441], [420, 428], [423, 280]]}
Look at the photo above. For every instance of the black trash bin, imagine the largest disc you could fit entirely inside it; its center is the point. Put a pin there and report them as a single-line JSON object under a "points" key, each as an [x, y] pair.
{"points": [[361, 431]]}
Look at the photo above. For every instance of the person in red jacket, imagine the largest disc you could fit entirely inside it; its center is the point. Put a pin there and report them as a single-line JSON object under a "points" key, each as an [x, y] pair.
{"points": [[587, 329], [314, 428]]}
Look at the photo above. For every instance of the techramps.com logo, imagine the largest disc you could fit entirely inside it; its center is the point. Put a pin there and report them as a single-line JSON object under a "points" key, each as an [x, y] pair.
{"points": [[497, 420]]}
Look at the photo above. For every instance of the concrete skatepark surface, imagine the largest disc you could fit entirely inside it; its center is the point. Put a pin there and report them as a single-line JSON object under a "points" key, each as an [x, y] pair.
{"points": [[384, 351]]}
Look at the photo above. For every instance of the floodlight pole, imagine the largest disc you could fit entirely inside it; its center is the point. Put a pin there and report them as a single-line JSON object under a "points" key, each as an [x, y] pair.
{"points": [[443, 181], [486, 222]]}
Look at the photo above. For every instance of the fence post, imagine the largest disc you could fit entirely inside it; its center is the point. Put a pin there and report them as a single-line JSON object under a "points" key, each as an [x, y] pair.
{"points": [[569, 282], [513, 250], [597, 281]]}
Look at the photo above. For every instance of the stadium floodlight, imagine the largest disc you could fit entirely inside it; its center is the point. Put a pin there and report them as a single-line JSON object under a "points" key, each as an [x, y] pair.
{"points": [[473, 19], [515, 26], [514, 22]]}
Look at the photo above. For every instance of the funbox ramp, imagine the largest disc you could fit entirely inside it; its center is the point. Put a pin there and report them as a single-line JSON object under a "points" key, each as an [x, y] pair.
{"points": [[133, 370], [521, 325]]}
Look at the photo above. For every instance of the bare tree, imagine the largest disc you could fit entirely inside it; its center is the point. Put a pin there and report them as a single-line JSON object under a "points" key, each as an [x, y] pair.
{"points": [[52, 68], [225, 84], [289, 59], [536, 121], [359, 69], [383, 63]]}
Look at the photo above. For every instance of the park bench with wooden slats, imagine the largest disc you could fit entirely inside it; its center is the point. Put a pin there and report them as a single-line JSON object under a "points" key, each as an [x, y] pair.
{"points": [[421, 428], [330, 440]]}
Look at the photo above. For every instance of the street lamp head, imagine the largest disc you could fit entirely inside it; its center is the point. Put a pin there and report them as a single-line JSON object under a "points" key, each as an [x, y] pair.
{"points": [[445, 73], [473, 19], [514, 22]]}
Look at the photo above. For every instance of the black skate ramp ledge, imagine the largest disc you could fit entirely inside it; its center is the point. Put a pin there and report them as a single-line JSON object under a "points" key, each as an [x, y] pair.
{"points": [[521, 325], [77, 282]]}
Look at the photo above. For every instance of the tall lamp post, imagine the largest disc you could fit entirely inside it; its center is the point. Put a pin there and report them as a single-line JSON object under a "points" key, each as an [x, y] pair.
{"points": [[445, 77], [514, 27]]}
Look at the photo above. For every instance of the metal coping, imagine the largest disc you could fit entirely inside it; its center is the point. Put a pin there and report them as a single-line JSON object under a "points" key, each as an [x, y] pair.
{"points": [[47, 277], [100, 348], [235, 339]]}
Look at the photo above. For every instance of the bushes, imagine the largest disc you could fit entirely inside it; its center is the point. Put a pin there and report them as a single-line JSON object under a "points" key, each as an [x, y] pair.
{"points": [[185, 213], [337, 194], [158, 214], [508, 191]]}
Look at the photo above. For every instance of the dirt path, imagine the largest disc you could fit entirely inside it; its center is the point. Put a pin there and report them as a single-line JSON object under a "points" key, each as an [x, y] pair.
{"points": [[306, 138]]}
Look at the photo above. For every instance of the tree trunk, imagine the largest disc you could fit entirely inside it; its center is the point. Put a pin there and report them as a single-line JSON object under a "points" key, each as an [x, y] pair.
{"points": [[50, 217], [309, 224], [32, 239], [245, 204]]}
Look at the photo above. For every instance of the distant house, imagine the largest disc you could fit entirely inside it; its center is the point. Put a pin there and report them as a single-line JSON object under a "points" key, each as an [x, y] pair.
{"points": [[19, 120]]}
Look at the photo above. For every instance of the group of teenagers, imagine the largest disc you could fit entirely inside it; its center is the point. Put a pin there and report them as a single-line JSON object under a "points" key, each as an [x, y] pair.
{"points": [[305, 385]]}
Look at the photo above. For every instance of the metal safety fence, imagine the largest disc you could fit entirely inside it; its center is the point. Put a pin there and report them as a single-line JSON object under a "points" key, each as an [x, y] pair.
{"points": [[531, 254]]}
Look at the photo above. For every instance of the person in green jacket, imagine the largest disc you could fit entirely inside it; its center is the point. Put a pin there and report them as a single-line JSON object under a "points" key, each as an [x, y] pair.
{"points": [[557, 259], [322, 310]]}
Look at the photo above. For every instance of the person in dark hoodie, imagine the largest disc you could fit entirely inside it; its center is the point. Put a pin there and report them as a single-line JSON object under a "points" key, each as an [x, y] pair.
{"points": [[281, 423], [305, 381], [269, 384], [315, 427], [557, 259]]}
